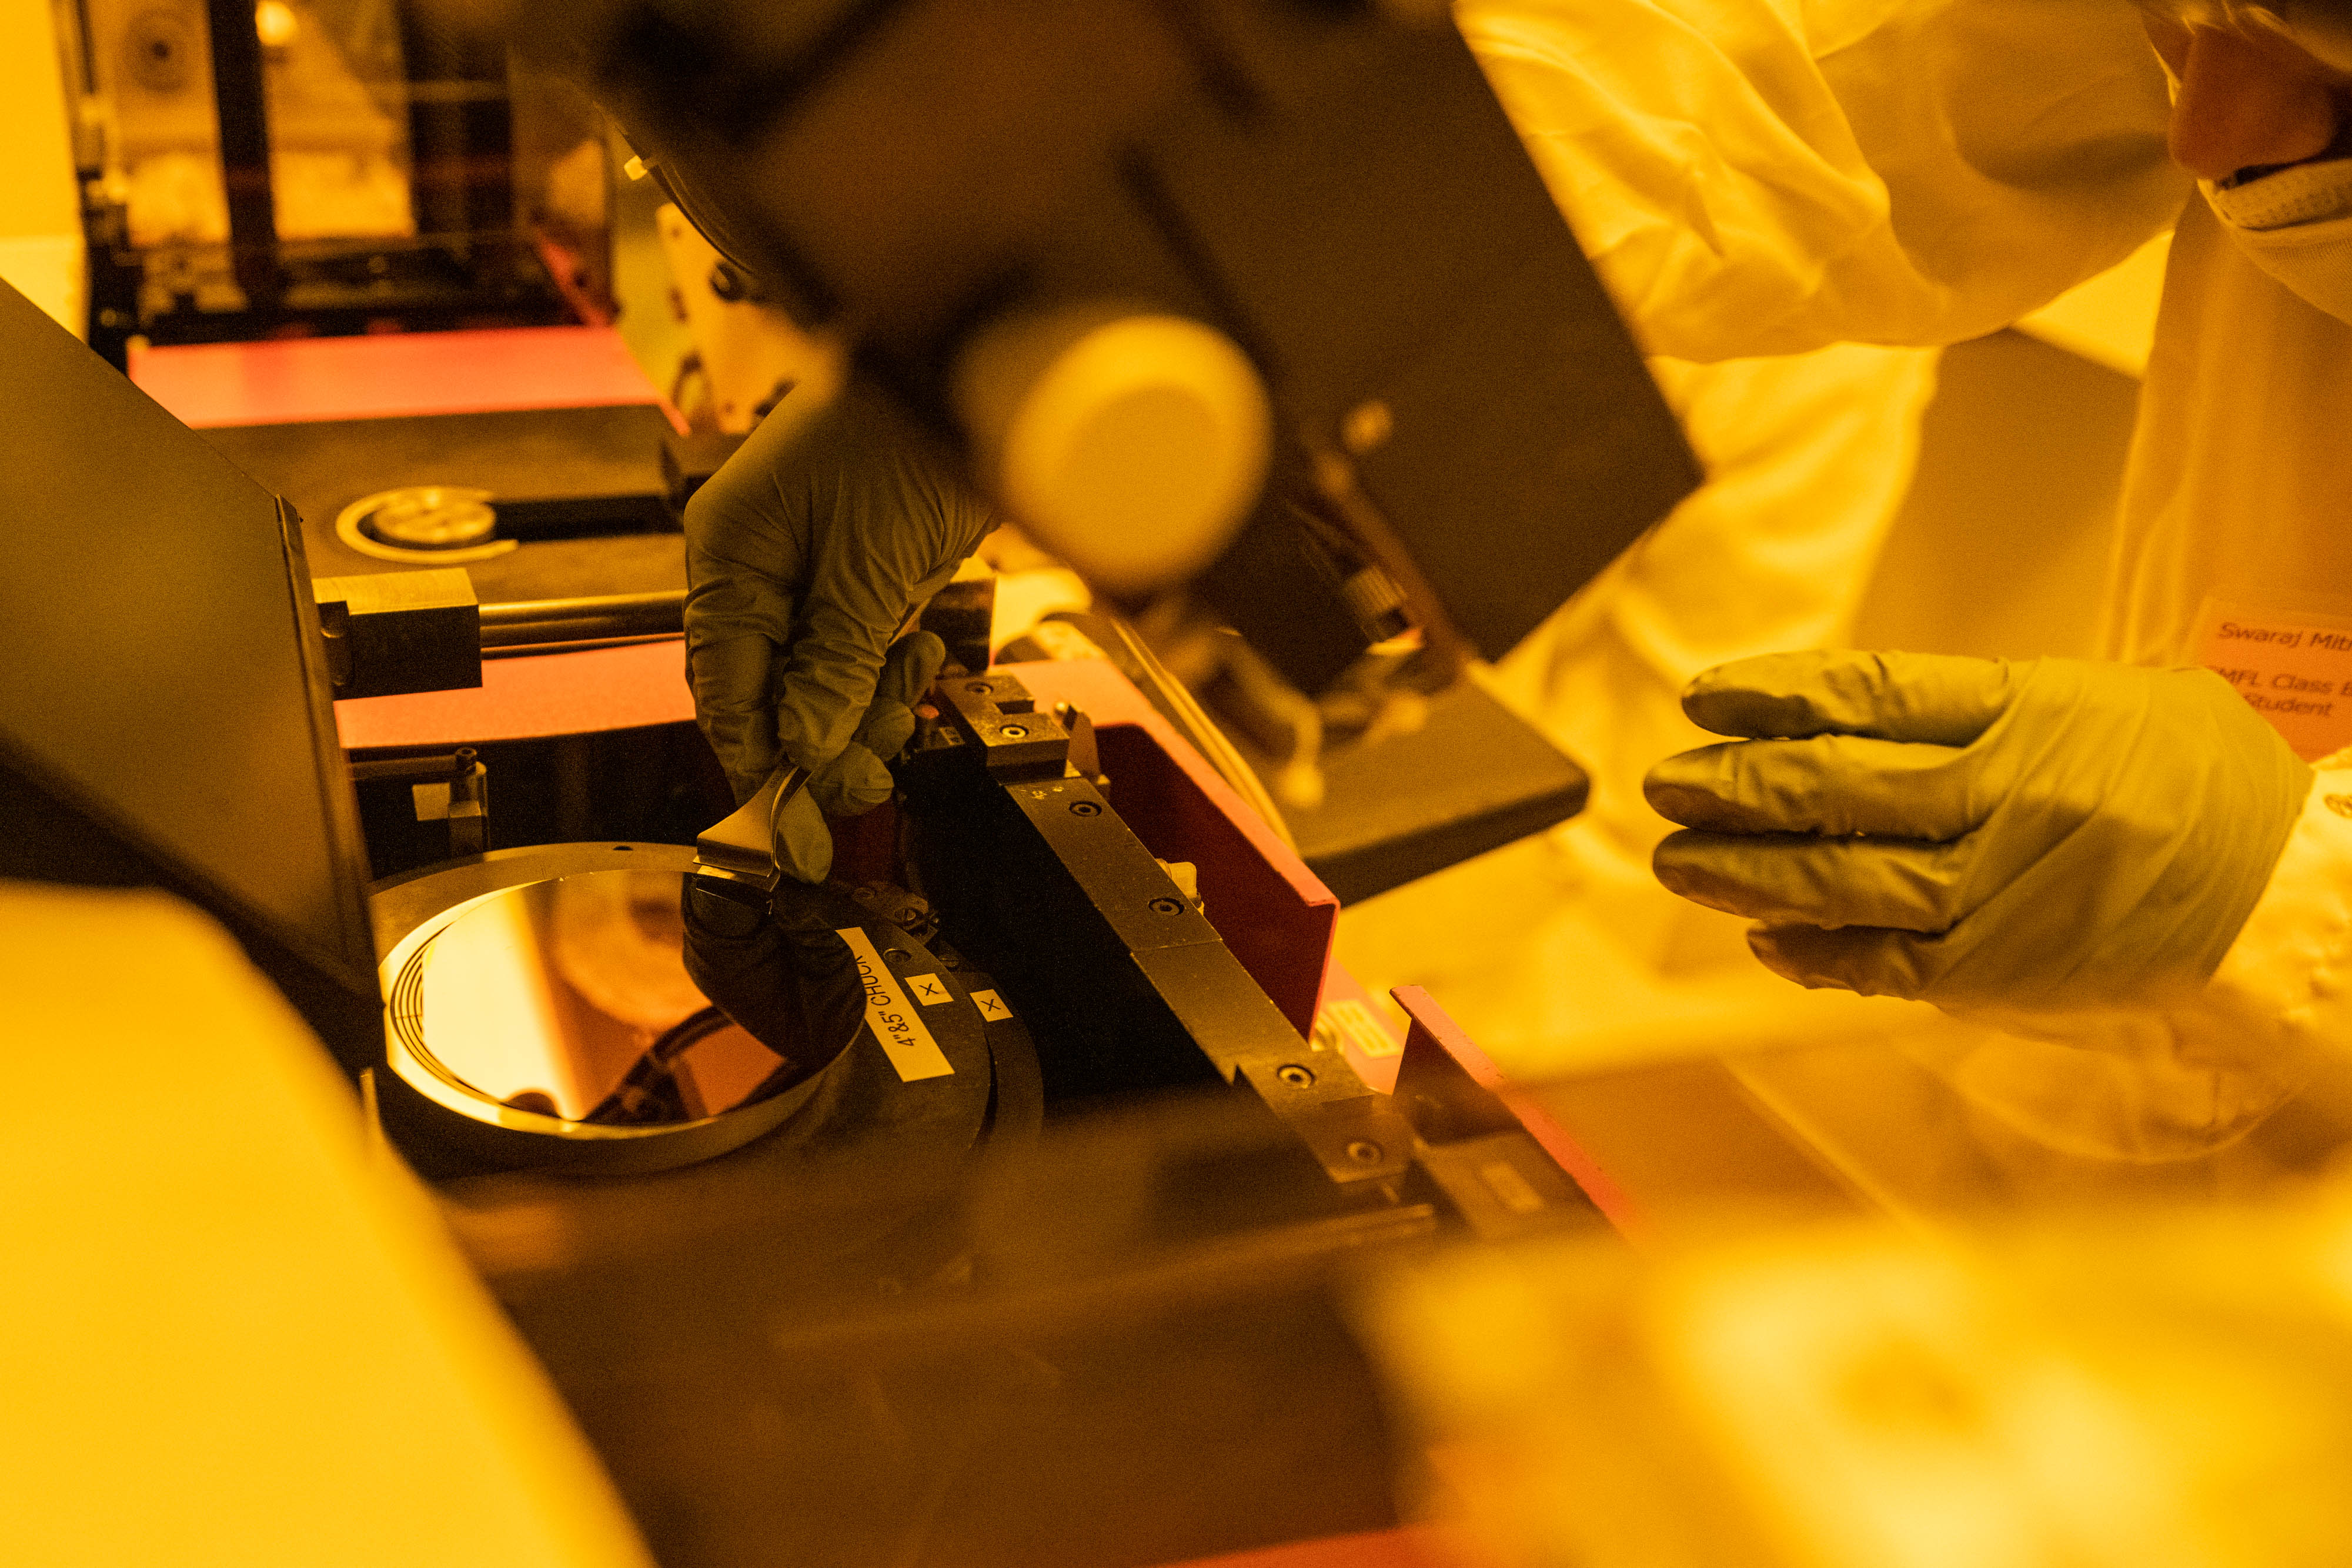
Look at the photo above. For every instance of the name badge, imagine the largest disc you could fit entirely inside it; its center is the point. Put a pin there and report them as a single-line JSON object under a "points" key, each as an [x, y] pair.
{"points": [[2294, 667]]}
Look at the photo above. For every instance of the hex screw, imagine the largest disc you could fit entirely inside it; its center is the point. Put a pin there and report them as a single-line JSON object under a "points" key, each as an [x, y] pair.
{"points": [[1084, 809], [1365, 1152], [1014, 731], [1297, 1077], [896, 955], [977, 688], [1166, 906]]}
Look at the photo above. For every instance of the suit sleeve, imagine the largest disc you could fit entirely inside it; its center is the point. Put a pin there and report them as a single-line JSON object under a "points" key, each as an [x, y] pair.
{"points": [[1762, 177]]}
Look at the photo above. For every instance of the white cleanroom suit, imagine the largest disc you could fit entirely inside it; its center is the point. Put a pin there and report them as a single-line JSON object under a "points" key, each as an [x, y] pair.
{"points": [[1755, 178]]}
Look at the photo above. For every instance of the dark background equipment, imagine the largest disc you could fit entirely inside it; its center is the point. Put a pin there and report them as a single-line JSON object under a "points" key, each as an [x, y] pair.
{"points": [[839, 1338], [1464, 429], [848, 1332], [1088, 1316], [165, 720], [332, 167], [576, 501]]}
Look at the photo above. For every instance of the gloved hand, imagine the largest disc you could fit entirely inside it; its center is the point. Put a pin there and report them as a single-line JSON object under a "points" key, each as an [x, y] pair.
{"points": [[806, 554], [1975, 832], [858, 779]]}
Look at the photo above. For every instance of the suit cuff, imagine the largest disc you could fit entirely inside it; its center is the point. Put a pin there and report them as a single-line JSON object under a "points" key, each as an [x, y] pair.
{"points": [[2291, 959]]}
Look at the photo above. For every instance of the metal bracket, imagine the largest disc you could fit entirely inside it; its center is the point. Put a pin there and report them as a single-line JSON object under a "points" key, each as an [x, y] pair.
{"points": [[995, 713], [452, 789]]}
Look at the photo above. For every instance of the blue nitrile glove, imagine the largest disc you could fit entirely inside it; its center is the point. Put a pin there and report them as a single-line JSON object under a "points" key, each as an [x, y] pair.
{"points": [[1976, 832], [804, 555]]}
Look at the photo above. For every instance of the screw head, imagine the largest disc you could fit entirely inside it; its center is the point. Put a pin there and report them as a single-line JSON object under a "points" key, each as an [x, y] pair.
{"points": [[1294, 1075], [1084, 809], [977, 688], [1365, 1152], [1014, 731], [896, 955], [1166, 906]]}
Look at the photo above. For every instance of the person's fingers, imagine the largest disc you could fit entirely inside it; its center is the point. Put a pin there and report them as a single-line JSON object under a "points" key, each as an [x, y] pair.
{"points": [[1799, 879], [803, 843], [858, 778], [818, 537], [1941, 699], [1833, 784], [854, 783], [908, 673], [888, 726], [864, 584], [1867, 960], [747, 553], [881, 546], [743, 572], [824, 682], [729, 679], [748, 517]]}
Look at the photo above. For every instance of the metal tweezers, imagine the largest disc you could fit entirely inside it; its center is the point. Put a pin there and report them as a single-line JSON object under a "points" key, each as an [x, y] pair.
{"points": [[741, 849]]}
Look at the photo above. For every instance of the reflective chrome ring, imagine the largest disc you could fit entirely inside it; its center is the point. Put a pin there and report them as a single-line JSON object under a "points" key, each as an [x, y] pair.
{"points": [[411, 913], [445, 523]]}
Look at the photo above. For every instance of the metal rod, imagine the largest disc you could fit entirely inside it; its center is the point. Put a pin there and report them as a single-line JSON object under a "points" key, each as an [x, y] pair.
{"points": [[531, 622], [431, 769], [240, 99]]}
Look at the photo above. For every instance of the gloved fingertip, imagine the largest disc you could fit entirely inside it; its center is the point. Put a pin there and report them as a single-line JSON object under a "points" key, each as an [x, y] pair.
{"points": [[910, 668], [812, 865], [852, 783], [1753, 697], [1680, 864], [887, 731], [926, 651], [803, 843], [1870, 961], [1798, 953], [1712, 680], [1699, 703], [1941, 699], [857, 802], [1678, 800]]}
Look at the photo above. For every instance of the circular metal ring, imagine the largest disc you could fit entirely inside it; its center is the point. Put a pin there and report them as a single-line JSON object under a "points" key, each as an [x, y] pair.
{"points": [[411, 913], [423, 512]]}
